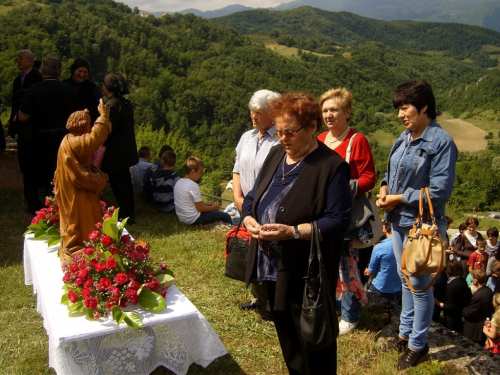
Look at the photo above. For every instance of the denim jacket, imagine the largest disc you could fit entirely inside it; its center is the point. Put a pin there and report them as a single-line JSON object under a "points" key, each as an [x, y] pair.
{"points": [[425, 161]]}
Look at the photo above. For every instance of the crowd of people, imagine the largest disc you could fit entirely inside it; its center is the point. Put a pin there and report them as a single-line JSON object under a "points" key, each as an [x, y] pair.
{"points": [[285, 177]]}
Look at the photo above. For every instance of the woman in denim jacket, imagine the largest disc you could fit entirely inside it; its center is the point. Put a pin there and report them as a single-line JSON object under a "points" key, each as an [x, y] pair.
{"points": [[424, 155]]}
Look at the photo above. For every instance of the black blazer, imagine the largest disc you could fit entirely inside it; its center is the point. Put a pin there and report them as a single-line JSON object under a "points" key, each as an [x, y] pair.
{"points": [[457, 297], [480, 308], [304, 203]]}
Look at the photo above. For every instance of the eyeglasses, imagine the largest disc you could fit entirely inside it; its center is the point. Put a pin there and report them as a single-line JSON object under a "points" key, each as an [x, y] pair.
{"points": [[288, 133]]}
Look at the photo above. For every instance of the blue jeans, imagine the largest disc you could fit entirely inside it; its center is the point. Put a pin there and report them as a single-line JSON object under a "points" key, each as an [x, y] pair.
{"points": [[417, 308], [211, 216]]}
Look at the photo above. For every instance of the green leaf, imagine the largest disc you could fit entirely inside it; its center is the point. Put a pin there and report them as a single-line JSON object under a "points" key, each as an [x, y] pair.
{"points": [[40, 234], [165, 279], [117, 314], [109, 228], [133, 319], [115, 215], [53, 240], [119, 262], [64, 299], [53, 231], [152, 301], [76, 307], [34, 227]]}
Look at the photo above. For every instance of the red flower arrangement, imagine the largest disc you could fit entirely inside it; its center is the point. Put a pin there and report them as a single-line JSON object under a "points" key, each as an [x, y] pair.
{"points": [[45, 224], [112, 272]]}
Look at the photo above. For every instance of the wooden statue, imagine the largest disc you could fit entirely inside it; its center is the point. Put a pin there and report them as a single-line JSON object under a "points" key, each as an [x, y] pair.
{"points": [[78, 183]]}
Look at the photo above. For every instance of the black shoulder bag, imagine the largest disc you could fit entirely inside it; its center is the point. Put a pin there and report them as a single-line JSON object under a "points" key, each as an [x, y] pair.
{"points": [[318, 318]]}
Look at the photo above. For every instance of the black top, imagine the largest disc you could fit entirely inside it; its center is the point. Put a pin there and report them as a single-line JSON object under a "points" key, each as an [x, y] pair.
{"points": [[86, 95], [121, 147]]}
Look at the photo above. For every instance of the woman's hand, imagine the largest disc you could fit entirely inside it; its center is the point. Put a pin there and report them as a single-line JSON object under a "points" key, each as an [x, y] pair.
{"points": [[252, 226], [388, 202], [276, 232]]}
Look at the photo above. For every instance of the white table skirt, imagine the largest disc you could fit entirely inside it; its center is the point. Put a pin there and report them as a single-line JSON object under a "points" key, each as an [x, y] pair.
{"points": [[173, 338]]}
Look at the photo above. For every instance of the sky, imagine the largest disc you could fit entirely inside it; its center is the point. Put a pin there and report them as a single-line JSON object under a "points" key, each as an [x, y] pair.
{"points": [[203, 5]]}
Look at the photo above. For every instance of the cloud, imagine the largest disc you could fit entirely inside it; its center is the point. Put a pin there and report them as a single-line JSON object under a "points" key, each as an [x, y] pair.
{"points": [[203, 5]]}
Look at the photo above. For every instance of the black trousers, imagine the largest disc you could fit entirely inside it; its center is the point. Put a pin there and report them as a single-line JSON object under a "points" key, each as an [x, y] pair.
{"points": [[299, 360], [121, 184]]}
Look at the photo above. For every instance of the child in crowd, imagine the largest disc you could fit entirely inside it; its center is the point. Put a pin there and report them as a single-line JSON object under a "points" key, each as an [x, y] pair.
{"points": [[163, 181], [479, 308], [492, 243], [189, 207], [146, 190], [479, 258], [456, 297], [491, 329], [494, 279], [491, 260], [140, 169]]}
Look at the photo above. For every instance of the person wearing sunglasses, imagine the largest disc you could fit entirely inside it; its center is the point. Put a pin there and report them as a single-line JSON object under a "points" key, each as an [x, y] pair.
{"points": [[301, 181]]}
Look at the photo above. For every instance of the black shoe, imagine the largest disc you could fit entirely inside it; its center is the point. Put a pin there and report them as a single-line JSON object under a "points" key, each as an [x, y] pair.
{"points": [[250, 305], [411, 358], [401, 345], [267, 316]]}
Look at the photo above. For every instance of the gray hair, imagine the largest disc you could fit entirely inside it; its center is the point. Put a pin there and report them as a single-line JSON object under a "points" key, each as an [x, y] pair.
{"points": [[51, 66], [28, 53], [260, 100]]}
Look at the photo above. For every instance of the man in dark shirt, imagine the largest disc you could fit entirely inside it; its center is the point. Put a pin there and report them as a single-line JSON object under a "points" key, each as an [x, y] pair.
{"points": [[43, 114], [27, 78]]}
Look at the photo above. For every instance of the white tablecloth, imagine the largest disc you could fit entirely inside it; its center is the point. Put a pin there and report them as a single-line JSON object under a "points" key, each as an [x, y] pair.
{"points": [[173, 338]]}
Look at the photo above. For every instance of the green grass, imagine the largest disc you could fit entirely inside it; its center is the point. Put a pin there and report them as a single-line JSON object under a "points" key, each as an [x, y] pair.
{"points": [[197, 258]]}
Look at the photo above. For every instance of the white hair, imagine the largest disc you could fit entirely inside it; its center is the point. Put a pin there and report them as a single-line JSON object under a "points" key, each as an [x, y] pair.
{"points": [[260, 100]]}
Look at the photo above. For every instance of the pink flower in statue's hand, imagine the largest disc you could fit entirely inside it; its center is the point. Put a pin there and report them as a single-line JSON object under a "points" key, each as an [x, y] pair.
{"points": [[107, 241], [96, 315], [114, 251], [121, 278], [154, 285], [47, 202], [123, 302], [55, 220], [72, 296], [94, 235], [99, 267], [88, 283], [125, 239], [88, 251], [112, 302], [114, 291], [86, 292], [111, 263], [91, 303], [134, 285]]}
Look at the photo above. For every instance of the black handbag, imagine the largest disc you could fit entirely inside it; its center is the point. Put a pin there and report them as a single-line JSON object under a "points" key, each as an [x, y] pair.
{"points": [[318, 317], [237, 246]]}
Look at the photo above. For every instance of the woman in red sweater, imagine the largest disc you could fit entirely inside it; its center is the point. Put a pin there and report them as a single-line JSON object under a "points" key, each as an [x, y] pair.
{"points": [[336, 107]]}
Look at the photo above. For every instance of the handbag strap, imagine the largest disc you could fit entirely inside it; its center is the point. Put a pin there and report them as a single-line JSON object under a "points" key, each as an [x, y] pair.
{"points": [[421, 205], [315, 249], [349, 147]]}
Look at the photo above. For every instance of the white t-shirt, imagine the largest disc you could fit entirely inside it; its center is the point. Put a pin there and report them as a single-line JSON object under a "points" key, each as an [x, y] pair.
{"points": [[186, 194]]}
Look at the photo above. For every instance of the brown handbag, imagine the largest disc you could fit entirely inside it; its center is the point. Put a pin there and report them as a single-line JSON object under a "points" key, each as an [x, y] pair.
{"points": [[423, 253]]}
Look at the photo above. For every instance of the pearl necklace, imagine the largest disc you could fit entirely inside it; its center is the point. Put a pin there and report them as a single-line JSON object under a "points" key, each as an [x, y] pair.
{"points": [[338, 139]]}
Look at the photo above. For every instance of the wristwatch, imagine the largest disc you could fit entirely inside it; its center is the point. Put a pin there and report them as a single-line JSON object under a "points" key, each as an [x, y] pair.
{"points": [[296, 234]]}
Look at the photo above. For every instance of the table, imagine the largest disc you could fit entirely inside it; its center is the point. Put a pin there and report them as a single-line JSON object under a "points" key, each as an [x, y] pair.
{"points": [[173, 338]]}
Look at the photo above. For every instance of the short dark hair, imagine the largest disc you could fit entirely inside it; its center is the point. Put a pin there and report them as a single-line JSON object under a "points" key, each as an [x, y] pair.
{"points": [[454, 268], [163, 149], [481, 241], [51, 66], [169, 158], [144, 152], [388, 226], [462, 227], [480, 275], [492, 232], [417, 93]]}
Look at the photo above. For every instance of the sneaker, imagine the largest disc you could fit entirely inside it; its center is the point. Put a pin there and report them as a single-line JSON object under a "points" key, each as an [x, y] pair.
{"points": [[411, 358], [401, 345], [250, 305], [346, 327]]}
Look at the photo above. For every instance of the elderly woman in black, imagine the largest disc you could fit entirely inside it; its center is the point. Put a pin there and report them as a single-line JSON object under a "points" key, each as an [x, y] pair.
{"points": [[121, 147], [301, 181]]}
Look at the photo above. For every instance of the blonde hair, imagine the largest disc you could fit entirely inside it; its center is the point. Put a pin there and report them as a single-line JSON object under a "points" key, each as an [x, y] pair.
{"points": [[341, 95], [78, 122], [193, 164]]}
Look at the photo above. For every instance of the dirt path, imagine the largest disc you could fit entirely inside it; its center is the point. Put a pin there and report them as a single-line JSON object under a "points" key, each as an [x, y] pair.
{"points": [[467, 136], [10, 176]]}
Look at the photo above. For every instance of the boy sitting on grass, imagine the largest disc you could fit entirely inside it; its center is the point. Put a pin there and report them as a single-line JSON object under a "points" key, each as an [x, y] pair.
{"points": [[189, 207], [163, 181]]}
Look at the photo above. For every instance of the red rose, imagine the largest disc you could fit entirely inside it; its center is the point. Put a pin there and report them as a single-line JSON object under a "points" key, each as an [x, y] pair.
{"points": [[111, 263], [67, 277], [103, 204], [79, 282], [134, 285], [112, 209], [73, 268], [93, 262], [133, 271], [154, 285], [114, 251], [107, 216], [91, 303], [112, 302], [72, 296], [134, 301], [107, 241], [104, 283], [114, 291], [96, 315], [98, 225], [131, 293], [125, 239], [47, 202], [34, 220], [94, 235], [88, 283], [86, 292], [123, 302], [88, 251], [99, 267], [83, 273], [54, 220], [121, 278], [163, 293]]}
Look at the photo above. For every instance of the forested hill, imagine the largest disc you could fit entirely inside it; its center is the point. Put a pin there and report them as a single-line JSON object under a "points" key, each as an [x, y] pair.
{"points": [[323, 31], [192, 78]]}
